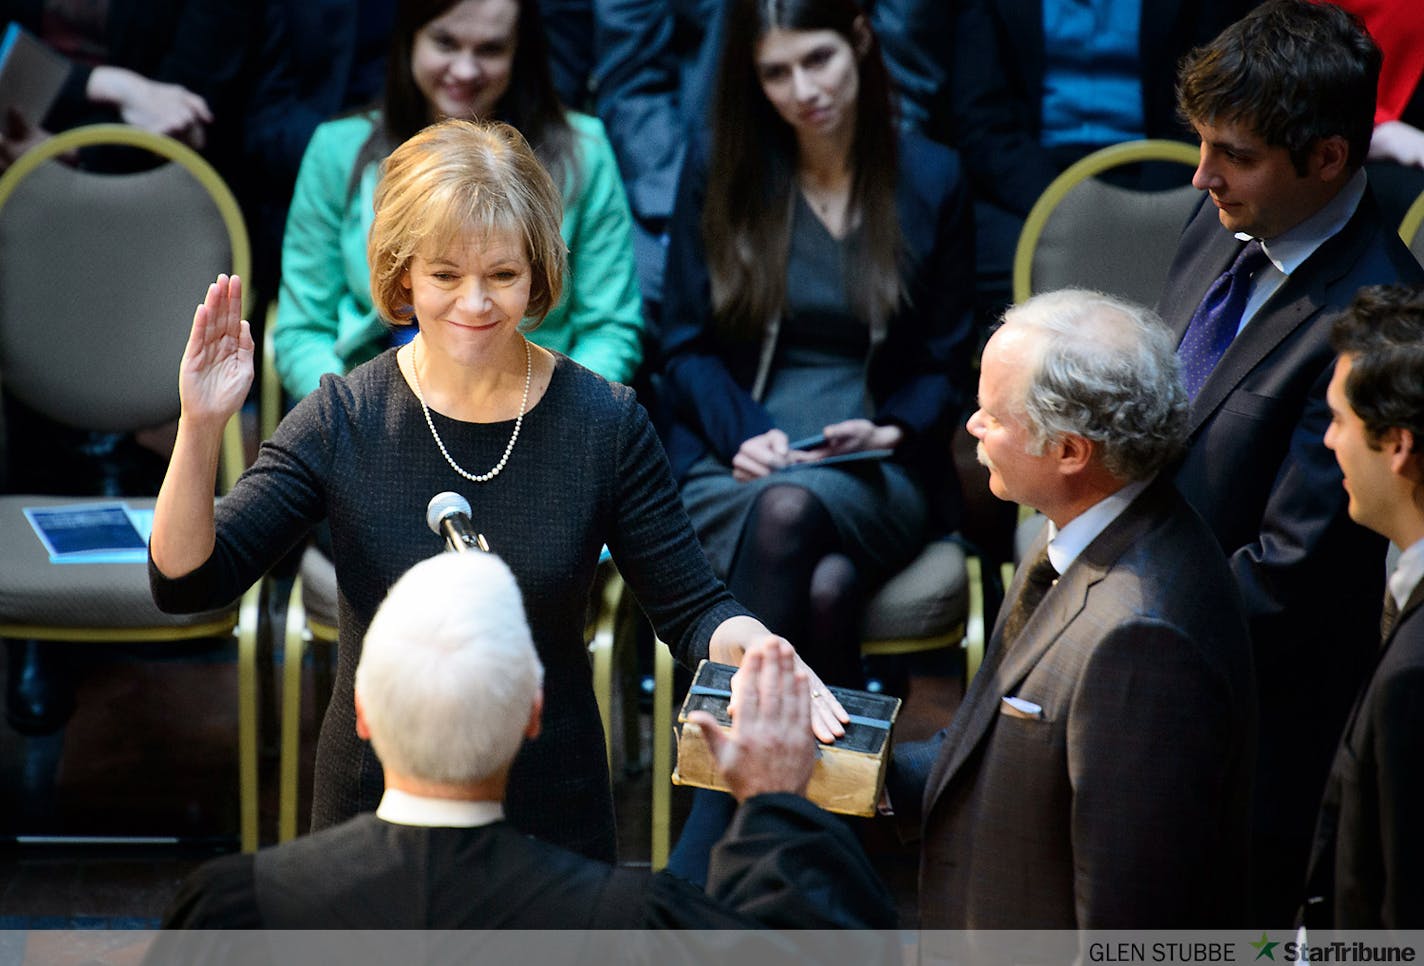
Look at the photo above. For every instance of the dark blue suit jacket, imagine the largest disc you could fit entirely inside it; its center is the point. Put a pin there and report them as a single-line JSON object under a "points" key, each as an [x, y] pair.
{"points": [[917, 377], [1258, 472]]}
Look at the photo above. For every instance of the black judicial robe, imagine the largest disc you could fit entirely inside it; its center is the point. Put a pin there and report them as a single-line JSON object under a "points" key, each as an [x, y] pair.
{"points": [[783, 863]]}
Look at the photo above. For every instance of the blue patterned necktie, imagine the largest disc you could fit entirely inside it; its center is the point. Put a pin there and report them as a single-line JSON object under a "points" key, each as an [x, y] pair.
{"points": [[1217, 319]]}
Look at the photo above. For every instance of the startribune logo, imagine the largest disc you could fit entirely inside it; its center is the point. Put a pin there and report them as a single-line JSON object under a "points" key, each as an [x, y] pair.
{"points": [[1265, 948]]}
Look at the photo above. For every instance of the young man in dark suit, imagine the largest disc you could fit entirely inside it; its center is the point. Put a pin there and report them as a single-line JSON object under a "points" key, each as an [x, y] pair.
{"points": [[1283, 102], [1367, 864], [1097, 774], [447, 690]]}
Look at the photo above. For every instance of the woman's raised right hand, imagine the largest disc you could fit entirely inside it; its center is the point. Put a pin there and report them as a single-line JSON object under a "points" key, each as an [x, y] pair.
{"points": [[217, 363]]}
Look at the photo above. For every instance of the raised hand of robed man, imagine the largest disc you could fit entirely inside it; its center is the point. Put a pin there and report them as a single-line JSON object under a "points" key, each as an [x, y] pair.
{"points": [[770, 747]]}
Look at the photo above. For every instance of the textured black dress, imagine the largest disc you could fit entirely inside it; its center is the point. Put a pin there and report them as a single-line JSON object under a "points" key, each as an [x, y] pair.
{"points": [[586, 471]]}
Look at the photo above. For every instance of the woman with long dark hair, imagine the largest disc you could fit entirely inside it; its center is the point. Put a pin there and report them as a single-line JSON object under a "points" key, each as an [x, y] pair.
{"points": [[819, 285], [471, 59], [817, 308]]}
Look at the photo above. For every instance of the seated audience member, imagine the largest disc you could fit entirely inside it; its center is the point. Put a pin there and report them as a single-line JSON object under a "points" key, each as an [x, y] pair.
{"points": [[1039, 84], [1365, 867], [817, 285], [1283, 101], [1097, 774], [467, 59], [171, 68], [817, 293], [448, 688]]}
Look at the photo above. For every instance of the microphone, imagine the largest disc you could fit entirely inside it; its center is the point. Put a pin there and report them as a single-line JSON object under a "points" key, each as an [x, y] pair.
{"points": [[448, 516]]}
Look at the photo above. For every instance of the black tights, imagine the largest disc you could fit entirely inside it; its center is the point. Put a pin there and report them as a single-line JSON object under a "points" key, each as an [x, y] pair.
{"points": [[791, 572]]}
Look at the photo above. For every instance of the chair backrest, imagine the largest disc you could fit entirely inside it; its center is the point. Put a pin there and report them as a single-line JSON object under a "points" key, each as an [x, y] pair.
{"points": [[1086, 233], [1411, 229], [100, 273]]}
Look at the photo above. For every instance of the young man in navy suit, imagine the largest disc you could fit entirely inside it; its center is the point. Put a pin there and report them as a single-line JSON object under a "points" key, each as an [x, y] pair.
{"points": [[1283, 102], [1365, 870]]}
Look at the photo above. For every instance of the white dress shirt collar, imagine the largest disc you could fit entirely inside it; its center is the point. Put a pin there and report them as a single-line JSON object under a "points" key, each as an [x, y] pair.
{"points": [[403, 808], [1066, 544], [1407, 573], [1289, 250]]}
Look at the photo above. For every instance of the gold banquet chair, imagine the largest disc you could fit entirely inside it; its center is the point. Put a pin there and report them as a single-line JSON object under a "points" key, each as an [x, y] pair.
{"points": [[1086, 233], [99, 274], [309, 618]]}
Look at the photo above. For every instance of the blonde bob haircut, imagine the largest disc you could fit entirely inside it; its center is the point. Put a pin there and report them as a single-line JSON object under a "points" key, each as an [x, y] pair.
{"points": [[464, 177]]}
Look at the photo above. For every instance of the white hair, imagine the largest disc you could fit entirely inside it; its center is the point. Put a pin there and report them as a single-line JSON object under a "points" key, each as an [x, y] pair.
{"points": [[448, 671], [1107, 370]]}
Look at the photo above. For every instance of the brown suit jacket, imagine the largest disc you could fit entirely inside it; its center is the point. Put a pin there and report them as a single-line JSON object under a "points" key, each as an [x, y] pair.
{"points": [[1124, 804]]}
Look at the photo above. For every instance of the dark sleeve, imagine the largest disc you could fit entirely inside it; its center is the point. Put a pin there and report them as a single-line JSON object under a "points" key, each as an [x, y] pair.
{"points": [[995, 125], [788, 864], [200, 44], [1305, 521], [916, 39], [698, 387], [636, 77], [906, 778], [1399, 746], [273, 506], [278, 122], [657, 551], [220, 894], [930, 364]]}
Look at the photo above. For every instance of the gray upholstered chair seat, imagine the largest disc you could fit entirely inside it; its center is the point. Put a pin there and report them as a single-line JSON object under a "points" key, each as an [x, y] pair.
{"points": [[929, 597], [99, 274], [34, 591], [1086, 233]]}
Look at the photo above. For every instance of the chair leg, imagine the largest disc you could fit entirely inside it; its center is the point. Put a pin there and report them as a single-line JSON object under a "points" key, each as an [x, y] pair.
{"points": [[292, 654], [662, 753], [630, 630], [974, 625], [247, 714]]}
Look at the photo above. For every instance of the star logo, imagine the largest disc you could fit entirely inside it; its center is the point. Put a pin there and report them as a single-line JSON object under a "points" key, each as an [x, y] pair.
{"points": [[1264, 947]]}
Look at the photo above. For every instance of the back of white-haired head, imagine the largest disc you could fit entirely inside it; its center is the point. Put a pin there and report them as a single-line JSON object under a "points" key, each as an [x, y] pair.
{"points": [[448, 671], [1105, 369]]}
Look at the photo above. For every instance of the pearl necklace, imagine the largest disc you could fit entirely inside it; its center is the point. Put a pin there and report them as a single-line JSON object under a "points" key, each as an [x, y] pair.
{"points": [[518, 422]]}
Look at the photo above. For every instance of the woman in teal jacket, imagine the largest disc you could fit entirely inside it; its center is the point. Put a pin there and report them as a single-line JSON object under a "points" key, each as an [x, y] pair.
{"points": [[455, 58]]}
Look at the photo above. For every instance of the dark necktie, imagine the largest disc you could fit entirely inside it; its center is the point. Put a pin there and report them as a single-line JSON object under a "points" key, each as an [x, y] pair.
{"points": [[1217, 319], [1037, 581], [1390, 615]]}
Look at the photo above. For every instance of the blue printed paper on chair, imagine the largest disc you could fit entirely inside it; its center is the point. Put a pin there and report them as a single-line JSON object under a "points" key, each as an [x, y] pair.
{"points": [[92, 532]]}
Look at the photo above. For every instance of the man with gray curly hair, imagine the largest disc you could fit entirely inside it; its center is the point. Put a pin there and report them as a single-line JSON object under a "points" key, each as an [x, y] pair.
{"points": [[1097, 774]]}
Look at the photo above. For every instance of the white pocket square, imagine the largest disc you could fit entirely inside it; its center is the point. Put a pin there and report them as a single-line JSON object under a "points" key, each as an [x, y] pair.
{"points": [[1019, 708]]}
